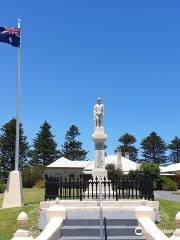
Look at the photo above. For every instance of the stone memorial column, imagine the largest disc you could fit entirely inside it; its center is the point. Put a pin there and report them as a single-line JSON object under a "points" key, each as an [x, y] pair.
{"points": [[99, 137]]}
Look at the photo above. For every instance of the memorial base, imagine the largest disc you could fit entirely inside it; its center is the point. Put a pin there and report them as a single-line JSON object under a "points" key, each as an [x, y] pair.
{"points": [[99, 173], [13, 196]]}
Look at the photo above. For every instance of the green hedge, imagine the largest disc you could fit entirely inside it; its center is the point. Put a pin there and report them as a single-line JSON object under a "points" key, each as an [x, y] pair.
{"points": [[113, 172], [146, 169], [168, 184], [159, 182], [2, 187], [31, 175], [40, 184], [165, 183]]}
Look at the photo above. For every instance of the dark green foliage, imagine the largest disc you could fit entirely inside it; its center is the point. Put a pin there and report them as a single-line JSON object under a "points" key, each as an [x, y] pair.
{"points": [[7, 147], [2, 183], [127, 145], [154, 148], [113, 172], [150, 169], [133, 174], [2, 187], [175, 150], [146, 169], [153, 170], [44, 147], [27, 179], [30, 176], [72, 148], [40, 183], [167, 184], [38, 173]]}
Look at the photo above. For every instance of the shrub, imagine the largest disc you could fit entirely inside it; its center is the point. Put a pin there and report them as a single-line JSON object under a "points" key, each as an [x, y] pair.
{"points": [[146, 169], [2, 182], [156, 185], [40, 184], [133, 174], [150, 169], [38, 173], [168, 184], [113, 172], [30, 176], [2, 187], [27, 179]]}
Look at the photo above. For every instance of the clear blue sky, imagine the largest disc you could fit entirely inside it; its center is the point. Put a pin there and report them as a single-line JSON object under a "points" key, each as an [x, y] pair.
{"points": [[127, 52]]}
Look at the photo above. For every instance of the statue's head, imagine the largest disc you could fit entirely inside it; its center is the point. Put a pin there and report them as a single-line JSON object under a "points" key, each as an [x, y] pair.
{"points": [[99, 100]]}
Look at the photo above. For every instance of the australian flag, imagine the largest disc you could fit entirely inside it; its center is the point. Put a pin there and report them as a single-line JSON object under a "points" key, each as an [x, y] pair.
{"points": [[10, 36]]}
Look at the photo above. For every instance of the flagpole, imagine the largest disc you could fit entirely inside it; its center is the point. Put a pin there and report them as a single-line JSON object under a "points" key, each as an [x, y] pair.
{"points": [[18, 102], [13, 195]]}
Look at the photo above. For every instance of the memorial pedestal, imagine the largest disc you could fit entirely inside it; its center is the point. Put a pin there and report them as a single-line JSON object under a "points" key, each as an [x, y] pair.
{"points": [[99, 173], [13, 196], [99, 137]]}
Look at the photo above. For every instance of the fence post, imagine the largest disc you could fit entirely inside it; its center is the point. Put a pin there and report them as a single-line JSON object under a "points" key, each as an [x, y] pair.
{"points": [[105, 229], [96, 183], [152, 190], [22, 232], [60, 188], [76, 188], [46, 187], [116, 189], [101, 209], [80, 186]]}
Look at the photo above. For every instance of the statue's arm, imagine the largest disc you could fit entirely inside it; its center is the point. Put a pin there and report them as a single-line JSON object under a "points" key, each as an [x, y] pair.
{"points": [[103, 110], [94, 110]]}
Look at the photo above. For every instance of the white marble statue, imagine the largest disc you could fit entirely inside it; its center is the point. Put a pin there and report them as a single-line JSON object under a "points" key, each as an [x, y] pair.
{"points": [[98, 113]]}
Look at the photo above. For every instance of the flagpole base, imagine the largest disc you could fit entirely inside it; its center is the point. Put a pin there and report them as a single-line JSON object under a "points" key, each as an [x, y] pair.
{"points": [[13, 195]]}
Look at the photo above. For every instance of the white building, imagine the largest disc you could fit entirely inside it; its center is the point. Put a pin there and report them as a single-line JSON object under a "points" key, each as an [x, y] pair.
{"points": [[172, 168], [67, 168], [172, 171]]}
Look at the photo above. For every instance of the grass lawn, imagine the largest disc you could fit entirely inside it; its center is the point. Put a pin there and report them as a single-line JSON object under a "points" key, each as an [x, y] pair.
{"points": [[8, 226], [168, 210], [33, 197]]}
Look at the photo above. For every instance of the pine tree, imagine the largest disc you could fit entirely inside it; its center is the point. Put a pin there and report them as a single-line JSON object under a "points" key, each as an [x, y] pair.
{"points": [[44, 147], [127, 145], [7, 147], [175, 150], [72, 148], [154, 148]]}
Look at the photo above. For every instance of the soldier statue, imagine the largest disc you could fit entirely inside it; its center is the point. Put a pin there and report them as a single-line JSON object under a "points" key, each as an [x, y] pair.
{"points": [[98, 113]]}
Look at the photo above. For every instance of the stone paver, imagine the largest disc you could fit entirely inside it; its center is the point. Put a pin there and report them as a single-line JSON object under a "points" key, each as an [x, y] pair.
{"points": [[167, 195]]}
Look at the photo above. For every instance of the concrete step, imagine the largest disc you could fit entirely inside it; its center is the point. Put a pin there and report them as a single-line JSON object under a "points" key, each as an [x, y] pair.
{"points": [[94, 230], [96, 222], [109, 238], [88, 229], [94, 214]]}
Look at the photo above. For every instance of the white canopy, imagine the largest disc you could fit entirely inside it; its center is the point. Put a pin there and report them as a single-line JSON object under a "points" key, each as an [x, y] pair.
{"points": [[88, 166], [66, 163], [171, 168]]}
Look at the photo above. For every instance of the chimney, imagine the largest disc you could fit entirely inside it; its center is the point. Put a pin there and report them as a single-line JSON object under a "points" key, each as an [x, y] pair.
{"points": [[127, 155], [119, 163]]}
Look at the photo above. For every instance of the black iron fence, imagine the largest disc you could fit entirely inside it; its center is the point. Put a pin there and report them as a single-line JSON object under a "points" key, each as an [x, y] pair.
{"points": [[80, 188]]}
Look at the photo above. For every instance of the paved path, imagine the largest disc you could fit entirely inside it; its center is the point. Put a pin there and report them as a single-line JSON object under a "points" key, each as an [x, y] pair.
{"points": [[167, 195]]}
